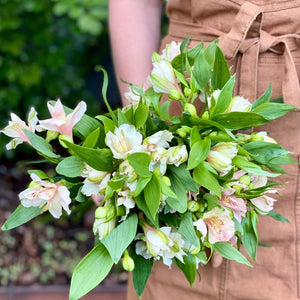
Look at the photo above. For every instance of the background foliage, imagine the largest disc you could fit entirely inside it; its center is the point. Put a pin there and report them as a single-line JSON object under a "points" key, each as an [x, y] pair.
{"points": [[49, 49]]}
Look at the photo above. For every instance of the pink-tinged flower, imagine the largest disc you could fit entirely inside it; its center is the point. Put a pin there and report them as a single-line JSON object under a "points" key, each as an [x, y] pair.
{"points": [[15, 128], [171, 51], [220, 227], [47, 195], [264, 203], [60, 122], [237, 205], [126, 139], [258, 180]]}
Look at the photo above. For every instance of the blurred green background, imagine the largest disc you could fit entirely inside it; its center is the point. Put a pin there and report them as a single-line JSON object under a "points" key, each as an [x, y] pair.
{"points": [[49, 49]]}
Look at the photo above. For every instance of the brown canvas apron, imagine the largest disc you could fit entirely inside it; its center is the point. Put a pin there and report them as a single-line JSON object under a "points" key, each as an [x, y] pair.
{"points": [[261, 40]]}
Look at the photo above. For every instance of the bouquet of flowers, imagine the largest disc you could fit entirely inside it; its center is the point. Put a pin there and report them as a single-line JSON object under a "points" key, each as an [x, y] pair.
{"points": [[172, 186]]}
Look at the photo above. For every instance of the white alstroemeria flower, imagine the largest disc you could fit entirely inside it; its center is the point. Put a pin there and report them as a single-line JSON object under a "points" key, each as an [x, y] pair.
{"points": [[126, 169], [240, 104], [220, 156], [126, 139], [132, 96], [159, 160], [264, 203], [215, 94], [49, 196], [163, 78], [158, 139], [220, 227], [15, 128], [60, 122], [171, 51], [177, 155], [125, 199], [258, 180], [237, 205], [104, 227], [95, 181]]}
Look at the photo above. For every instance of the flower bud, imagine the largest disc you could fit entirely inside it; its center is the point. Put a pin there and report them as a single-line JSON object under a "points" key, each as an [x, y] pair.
{"points": [[62, 138], [187, 92], [245, 179], [101, 212], [183, 131], [127, 263], [174, 94], [193, 206], [239, 103], [191, 109], [219, 136], [254, 137], [155, 57], [205, 115], [121, 211], [237, 188], [194, 250]]}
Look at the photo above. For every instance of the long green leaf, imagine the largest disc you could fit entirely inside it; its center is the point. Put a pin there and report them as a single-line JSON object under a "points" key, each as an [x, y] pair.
{"points": [[187, 229], [99, 159], [121, 237], [152, 193], [20, 216], [91, 270], [271, 111], [198, 153], [206, 179], [188, 267], [39, 144], [140, 162], [228, 251], [140, 272], [71, 167]]}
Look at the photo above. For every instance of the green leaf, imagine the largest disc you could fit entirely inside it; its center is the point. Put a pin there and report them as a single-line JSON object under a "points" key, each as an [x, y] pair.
{"points": [[271, 111], [109, 125], [184, 176], [212, 201], [187, 229], [99, 159], [260, 172], [39, 144], [121, 237], [20, 216], [199, 152], [277, 216], [122, 118], [71, 166], [142, 182], [39, 173], [225, 97], [141, 204], [141, 114], [221, 73], [206, 179], [202, 72], [152, 193], [189, 267], [226, 250], [249, 238], [91, 270], [95, 138], [166, 190], [265, 98], [140, 272], [116, 183], [140, 162], [239, 120]]}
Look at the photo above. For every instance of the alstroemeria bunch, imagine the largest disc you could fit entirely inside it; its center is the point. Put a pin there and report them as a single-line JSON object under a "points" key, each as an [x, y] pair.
{"points": [[166, 187]]}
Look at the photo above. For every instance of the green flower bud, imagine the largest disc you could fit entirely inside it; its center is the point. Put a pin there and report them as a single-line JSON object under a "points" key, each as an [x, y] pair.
{"points": [[111, 212], [194, 250], [193, 206], [121, 211], [183, 131], [62, 138], [127, 263], [155, 57], [174, 94], [101, 212], [219, 136], [205, 115], [237, 188], [245, 179], [187, 92], [191, 109], [254, 137]]}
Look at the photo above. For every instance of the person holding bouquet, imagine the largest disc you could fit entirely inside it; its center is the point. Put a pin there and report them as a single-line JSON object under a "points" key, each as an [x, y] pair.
{"points": [[261, 41]]}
